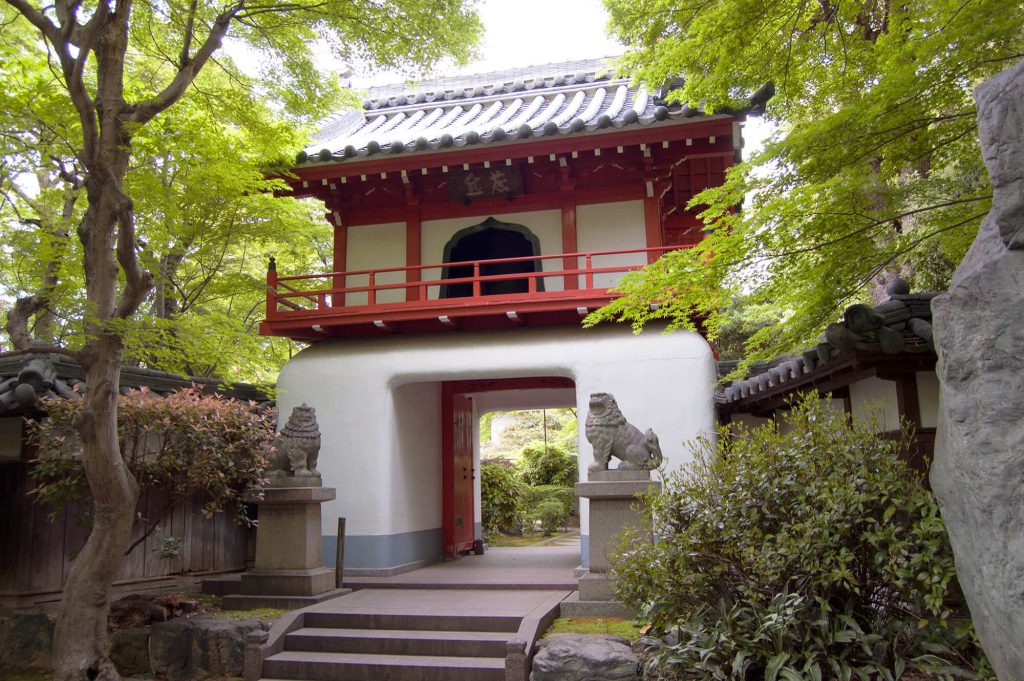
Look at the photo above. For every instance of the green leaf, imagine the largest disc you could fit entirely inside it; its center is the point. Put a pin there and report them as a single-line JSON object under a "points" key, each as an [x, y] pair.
{"points": [[771, 671]]}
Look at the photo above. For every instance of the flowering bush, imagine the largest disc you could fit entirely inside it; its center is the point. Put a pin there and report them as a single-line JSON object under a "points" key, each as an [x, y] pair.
{"points": [[178, 444]]}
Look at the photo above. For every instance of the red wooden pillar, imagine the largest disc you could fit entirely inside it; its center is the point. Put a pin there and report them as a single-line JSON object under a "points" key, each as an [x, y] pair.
{"points": [[652, 209], [340, 250], [569, 242], [272, 288], [413, 249]]}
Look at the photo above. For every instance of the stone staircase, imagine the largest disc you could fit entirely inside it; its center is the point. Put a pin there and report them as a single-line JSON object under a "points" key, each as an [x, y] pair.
{"points": [[322, 643]]}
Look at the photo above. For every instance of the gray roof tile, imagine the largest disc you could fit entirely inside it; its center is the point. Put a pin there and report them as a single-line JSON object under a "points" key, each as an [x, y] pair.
{"points": [[900, 324], [531, 102]]}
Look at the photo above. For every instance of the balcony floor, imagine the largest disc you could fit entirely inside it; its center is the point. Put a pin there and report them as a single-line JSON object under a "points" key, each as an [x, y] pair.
{"points": [[554, 308]]}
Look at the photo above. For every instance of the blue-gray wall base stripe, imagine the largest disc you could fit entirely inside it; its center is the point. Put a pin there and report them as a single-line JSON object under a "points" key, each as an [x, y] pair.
{"points": [[381, 552], [585, 550], [478, 531]]}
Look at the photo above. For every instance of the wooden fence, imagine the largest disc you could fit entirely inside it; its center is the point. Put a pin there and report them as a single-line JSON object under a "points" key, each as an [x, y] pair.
{"points": [[36, 552]]}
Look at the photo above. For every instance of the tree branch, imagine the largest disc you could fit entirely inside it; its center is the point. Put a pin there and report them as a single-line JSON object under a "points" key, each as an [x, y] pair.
{"points": [[138, 281], [145, 111], [186, 47]]}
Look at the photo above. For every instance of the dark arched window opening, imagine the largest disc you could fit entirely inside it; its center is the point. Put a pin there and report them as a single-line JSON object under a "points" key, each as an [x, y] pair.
{"points": [[491, 240]]}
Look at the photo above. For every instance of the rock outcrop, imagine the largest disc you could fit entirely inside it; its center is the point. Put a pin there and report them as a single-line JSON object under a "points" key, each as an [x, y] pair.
{"points": [[978, 471], [579, 657], [199, 647]]}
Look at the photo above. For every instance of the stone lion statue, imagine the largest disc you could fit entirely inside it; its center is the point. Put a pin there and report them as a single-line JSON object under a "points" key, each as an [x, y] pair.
{"points": [[610, 435], [297, 446]]}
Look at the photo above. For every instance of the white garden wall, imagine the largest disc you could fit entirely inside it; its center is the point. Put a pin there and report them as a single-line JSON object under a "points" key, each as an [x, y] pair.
{"points": [[378, 406]]}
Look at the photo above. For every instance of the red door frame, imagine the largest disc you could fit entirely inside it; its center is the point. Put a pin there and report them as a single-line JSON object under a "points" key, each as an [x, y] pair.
{"points": [[457, 511], [460, 538]]}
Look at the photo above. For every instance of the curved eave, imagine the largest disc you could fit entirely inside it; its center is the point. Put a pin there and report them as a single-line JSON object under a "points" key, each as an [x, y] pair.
{"points": [[676, 127]]}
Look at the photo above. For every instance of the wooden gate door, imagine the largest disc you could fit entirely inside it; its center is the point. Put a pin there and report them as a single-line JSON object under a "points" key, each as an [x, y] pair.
{"points": [[457, 471]]}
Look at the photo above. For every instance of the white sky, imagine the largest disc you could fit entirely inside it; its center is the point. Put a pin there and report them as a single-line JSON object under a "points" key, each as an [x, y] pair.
{"points": [[529, 32]]}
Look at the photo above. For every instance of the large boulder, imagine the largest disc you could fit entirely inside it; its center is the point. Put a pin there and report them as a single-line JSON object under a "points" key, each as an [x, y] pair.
{"points": [[26, 642], [199, 647], [129, 651], [579, 657], [978, 469]]}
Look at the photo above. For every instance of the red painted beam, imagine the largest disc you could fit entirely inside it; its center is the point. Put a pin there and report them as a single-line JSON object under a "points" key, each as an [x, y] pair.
{"points": [[456, 156]]}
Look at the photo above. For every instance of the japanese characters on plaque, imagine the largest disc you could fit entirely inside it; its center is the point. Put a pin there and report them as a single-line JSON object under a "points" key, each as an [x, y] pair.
{"points": [[503, 182]]}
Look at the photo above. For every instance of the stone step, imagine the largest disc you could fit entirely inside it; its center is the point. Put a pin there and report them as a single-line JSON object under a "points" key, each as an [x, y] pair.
{"points": [[312, 666], [400, 642], [418, 622]]}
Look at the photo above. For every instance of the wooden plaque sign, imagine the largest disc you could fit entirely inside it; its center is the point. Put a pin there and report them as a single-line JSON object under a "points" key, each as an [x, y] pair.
{"points": [[502, 182]]}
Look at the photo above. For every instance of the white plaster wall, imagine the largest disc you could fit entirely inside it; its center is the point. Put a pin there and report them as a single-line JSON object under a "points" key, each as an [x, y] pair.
{"points": [[835, 407], [661, 381], [749, 420], [375, 247], [546, 225], [611, 227], [415, 463], [520, 400], [928, 398], [874, 400], [10, 438]]}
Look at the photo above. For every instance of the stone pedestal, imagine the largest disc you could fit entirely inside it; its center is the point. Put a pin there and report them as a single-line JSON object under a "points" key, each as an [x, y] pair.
{"points": [[289, 571], [612, 496]]}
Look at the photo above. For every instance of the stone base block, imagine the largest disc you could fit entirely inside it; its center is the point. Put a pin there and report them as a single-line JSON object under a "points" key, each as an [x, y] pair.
{"points": [[597, 587], [288, 582], [240, 602], [574, 607], [619, 475]]}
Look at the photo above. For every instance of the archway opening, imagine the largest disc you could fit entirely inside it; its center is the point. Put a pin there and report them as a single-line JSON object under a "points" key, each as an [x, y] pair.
{"points": [[487, 241]]}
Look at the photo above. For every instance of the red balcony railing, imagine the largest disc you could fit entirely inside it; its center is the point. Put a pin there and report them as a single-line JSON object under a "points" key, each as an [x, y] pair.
{"points": [[560, 281]]}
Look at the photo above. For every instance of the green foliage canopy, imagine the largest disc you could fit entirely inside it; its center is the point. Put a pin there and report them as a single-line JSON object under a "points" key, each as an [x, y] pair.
{"points": [[201, 175], [548, 465], [814, 550], [875, 168]]}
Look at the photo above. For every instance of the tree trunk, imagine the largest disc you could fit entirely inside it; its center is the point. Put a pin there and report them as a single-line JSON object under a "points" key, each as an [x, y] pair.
{"points": [[81, 642], [81, 646]]}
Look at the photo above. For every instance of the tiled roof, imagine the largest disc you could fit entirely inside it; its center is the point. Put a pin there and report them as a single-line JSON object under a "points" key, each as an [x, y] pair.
{"points": [[25, 379], [902, 324], [532, 102]]}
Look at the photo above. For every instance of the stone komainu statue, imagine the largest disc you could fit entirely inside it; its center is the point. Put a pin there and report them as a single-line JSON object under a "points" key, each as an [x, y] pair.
{"points": [[297, 446], [610, 435]]}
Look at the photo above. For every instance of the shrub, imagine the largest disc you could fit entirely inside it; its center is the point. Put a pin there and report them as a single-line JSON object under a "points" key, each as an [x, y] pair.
{"points": [[813, 553], [177, 444], [550, 465], [500, 496], [551, 514], [534, 495], [551, 505]]}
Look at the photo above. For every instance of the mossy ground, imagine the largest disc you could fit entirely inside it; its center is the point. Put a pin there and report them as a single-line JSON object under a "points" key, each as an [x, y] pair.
{"points": [[523, 540], [603, 626], [211, 605]]}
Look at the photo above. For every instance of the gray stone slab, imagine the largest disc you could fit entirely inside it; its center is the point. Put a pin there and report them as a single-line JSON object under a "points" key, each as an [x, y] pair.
{"points": [[614, 475], [597, 587], [614, 489], [288, 582], [573, 607], [242, 602], [301, 494]]}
